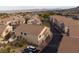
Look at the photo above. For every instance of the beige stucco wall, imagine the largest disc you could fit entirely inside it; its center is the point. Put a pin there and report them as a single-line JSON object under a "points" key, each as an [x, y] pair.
{"points": [[31, 38], [6, 31], [43, 37]]}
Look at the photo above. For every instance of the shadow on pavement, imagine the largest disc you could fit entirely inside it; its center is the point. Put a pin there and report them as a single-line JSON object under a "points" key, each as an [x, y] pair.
{"points": [[54, 44]]}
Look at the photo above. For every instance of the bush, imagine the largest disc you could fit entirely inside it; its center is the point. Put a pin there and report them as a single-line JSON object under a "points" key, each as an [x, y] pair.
{"points": [[19, 42], [5, 49]]}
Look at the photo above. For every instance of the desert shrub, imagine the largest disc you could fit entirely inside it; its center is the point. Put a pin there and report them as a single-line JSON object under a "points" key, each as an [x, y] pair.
{"points": [[5, 49], [19, 42]]}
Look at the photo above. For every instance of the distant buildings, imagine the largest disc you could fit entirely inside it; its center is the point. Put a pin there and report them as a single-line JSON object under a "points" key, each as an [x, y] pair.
{"points": [[35, 20], [17, 19]]}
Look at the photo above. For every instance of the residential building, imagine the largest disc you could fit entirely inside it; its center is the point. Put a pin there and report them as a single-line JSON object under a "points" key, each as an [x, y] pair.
{"points": [[35, 20], [15, 19], [2, 28], [4, 31], [34, 34]]}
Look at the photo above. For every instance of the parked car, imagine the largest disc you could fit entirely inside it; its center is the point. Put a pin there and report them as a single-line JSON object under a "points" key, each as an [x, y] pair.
{"points": [[30, 49]]}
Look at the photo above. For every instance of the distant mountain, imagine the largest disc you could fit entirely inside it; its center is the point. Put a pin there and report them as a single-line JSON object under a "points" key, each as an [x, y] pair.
{"points": [[58, 10], [68, 11], [27, 10]]}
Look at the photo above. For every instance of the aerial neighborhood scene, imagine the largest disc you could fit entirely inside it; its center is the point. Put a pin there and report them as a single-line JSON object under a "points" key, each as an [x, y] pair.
{"points": [[39, 30]]}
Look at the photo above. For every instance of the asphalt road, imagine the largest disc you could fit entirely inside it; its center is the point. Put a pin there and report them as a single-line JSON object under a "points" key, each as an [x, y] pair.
{"points": [[54, 44]]}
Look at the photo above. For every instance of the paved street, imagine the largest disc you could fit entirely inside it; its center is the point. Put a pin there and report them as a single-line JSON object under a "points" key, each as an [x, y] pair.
{"points": [[53, 46]]}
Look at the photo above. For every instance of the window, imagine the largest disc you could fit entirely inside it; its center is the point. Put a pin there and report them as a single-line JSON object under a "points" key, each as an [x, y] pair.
{"points": [[6, 31], [24, 33], [39, 36], [20, 37], [21, 33], [13, 33], [17, 37]]}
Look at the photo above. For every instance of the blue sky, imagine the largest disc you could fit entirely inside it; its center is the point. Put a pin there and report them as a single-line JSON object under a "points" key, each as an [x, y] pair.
{"points": [[33, 7]]}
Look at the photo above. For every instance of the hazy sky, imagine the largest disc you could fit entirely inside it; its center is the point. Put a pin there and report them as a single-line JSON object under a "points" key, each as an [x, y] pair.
{"points": [[32, 7]]}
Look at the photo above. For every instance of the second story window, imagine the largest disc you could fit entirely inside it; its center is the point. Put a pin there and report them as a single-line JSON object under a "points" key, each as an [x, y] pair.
{"points": [[21, 33], [25, 34]]}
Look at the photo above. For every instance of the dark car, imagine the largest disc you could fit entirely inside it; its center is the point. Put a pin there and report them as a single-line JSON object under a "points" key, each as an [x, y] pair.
{"points": [[30, 49]]}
